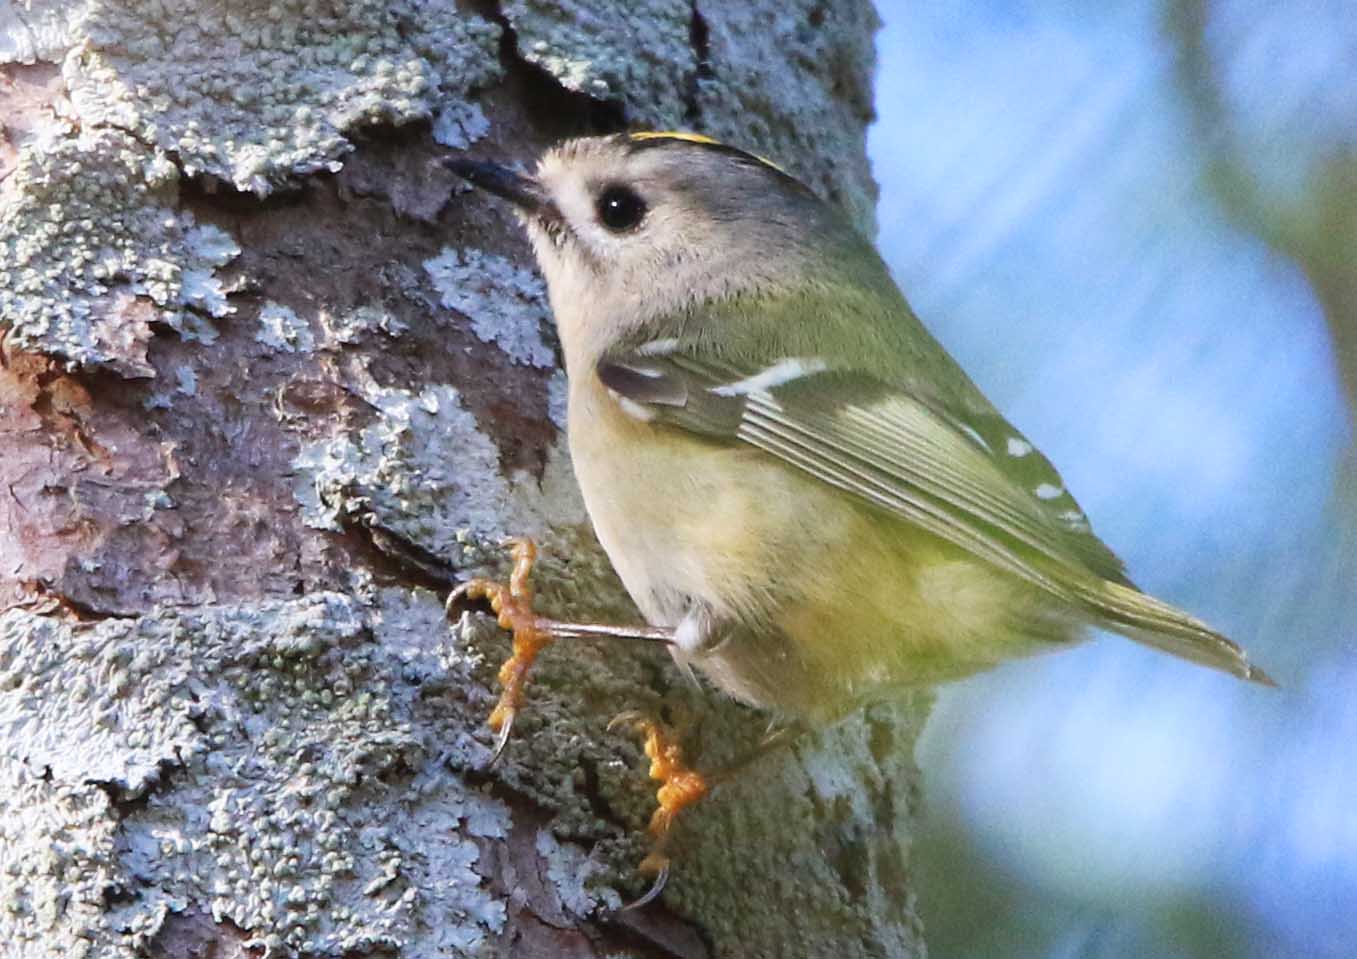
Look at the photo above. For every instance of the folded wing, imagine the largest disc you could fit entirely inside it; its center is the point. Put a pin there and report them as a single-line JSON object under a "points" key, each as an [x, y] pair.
{"points": [[969, 478]]}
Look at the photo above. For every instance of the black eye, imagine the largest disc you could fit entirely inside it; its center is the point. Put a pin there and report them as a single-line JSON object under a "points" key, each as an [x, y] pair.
{"points": [[619, 208]]}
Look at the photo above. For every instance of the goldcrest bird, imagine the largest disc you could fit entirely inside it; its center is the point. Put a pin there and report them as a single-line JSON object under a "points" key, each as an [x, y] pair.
{"points": [[803, 493], [786, 469]]}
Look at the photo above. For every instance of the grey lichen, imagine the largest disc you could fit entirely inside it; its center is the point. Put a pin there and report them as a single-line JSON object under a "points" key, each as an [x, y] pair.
{"points": [[794, 80], [33, 30], [300, 786], [92, 250], [790, 80], [573, 875], [186, 380], [57, 866], [422, 469], [558, 399], [638, 54], [348, 327], [299, 770], [261, 92], [458, 125], [97, 724], [506, 304], [281, 328], [92, 247]]}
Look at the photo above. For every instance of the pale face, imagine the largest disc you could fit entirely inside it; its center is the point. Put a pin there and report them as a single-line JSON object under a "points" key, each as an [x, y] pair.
{"points": [[627, 231], [620, 213], [631, 229]]}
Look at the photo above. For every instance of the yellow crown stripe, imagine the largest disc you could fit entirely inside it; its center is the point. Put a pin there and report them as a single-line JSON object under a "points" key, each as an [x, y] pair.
{"points": [[704, 140], [675, 135]]}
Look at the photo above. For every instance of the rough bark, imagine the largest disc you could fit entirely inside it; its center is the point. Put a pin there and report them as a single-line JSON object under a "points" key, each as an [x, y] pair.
{"points": [[268, 380]]}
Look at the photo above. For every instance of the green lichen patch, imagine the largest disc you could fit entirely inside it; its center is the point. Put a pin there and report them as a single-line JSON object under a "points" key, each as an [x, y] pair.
{"points": [[824, 830], [92, 250], [257, 93]]}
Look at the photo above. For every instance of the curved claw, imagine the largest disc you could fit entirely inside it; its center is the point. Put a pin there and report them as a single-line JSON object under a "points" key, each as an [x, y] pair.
{"points": [[651, 894], [506, 728], [455, 597], [628, 717]]}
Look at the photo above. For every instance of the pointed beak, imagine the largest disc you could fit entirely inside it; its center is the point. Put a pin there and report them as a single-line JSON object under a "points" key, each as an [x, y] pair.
{"points": [[523, 192]]}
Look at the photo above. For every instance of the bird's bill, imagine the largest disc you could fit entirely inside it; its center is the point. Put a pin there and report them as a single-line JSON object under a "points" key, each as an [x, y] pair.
{"points": [[523, 192]]}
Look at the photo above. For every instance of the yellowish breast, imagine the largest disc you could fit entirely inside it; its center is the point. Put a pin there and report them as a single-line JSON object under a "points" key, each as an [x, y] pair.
{"points": [[833, 600]]}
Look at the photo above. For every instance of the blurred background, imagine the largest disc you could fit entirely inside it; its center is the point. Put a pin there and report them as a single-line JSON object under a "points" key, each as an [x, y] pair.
{"points": [[1135, 224]]}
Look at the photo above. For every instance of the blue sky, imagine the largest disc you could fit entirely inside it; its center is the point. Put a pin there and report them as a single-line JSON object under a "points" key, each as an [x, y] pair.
{"points": [[1044, 205]]}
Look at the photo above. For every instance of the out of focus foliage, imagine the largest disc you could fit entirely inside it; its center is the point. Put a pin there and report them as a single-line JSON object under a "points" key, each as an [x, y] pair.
{"points": [[1135, 223]]}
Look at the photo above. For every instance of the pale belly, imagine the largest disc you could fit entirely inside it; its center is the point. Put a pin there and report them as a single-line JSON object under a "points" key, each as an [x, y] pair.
{"points": [[826, 603], [674, 525]]}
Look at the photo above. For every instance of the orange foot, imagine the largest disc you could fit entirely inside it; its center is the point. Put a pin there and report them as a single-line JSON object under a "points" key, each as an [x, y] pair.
{"points": [[513, 605], [680, 787]]}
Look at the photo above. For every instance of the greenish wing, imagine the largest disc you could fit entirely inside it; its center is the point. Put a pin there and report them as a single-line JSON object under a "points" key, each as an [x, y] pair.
{"points": [[965, 476], [974, 481]]}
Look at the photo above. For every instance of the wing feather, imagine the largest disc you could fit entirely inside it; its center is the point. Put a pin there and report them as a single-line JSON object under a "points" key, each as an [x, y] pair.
{"points": [[896, 442], [952, 474], [849, 473]]}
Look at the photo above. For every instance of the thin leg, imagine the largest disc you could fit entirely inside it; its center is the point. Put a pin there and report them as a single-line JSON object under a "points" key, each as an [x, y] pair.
{"points": [[513, 605], [772, 741], [649, 634]]}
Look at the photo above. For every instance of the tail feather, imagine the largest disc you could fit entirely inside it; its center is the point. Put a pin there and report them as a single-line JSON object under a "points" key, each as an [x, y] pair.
{"points": [[1154, 623]]}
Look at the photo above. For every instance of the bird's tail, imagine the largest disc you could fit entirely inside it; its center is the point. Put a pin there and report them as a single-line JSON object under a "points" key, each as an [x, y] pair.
{"points": [[1145, 619]]}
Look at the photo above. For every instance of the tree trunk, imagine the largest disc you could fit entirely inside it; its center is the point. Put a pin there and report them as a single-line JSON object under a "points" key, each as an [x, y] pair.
{"points": [[270, 382]]}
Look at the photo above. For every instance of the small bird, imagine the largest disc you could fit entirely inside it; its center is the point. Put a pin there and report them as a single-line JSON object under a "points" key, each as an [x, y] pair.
{"points": [[789, 473]]}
